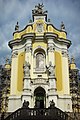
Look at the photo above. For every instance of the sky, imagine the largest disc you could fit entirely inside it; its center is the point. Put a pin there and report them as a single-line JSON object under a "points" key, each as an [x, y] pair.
{"points": [[12, 11]]}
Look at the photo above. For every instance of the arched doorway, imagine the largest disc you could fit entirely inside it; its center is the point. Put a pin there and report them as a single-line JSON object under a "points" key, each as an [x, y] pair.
{"points": [[40, 99]]}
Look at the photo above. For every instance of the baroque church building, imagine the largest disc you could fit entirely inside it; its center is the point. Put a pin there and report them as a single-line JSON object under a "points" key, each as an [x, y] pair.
{"points": [[40, 68]]}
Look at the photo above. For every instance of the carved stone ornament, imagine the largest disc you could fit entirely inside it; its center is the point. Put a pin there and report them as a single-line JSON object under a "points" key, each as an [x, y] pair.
{"points": [[39, 27], [51, 48], [14, 54], [51, 69], [64, 54], [28, 48], [39, 9], [26, 69]]}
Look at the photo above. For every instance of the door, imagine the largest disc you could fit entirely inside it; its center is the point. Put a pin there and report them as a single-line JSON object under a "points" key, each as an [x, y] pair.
{"points": [[39, 97]]}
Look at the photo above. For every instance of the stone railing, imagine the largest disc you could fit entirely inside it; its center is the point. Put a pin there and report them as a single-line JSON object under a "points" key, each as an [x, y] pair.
{"points": [[38, 114]]}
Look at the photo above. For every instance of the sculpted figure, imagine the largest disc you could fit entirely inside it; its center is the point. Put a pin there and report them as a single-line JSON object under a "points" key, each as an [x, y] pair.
{"points": [[51, 69], [25, 104], [52, 104], [26, 68], [39, 9]]}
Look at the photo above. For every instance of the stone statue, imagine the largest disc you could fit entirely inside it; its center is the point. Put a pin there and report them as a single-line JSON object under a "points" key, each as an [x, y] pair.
{"points": [[26, 69], [52, 104], [39, 9], [62, 26], [25, 104], [16, 27], [51, 69]]}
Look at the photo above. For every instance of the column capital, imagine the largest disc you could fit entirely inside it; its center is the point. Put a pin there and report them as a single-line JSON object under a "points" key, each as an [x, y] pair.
{"points": [[14, 54], [28, 49], [65, 54], [51, 48]]}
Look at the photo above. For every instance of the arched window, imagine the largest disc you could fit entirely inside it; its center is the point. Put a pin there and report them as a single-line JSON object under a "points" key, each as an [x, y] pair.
{"points": [[39, 60]]}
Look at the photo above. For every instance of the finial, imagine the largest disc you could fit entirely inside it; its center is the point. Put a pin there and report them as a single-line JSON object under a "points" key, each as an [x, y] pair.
{"points": [[16, 27], [62, 26], [72, 60], [30, 21], [49, 20], [7, 61]]}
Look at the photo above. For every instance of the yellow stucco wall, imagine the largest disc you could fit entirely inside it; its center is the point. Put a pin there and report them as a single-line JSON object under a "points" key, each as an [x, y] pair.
{"points": [[21, 59], [42, 44], [58, 63]]}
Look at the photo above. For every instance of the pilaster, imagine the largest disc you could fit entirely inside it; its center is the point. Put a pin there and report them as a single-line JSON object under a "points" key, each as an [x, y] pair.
{"points": [[65, 72], [28, 50], [51, 49], [14, 72]]}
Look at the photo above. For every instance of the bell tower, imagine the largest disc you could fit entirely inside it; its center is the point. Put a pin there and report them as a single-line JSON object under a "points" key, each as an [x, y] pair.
{"points": [[39, 70]]}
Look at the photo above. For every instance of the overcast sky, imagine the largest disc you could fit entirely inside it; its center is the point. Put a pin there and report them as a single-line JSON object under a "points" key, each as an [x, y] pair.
{"points": [[67, 11]]}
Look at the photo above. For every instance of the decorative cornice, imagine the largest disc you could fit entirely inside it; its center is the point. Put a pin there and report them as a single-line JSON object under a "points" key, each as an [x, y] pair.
{"points": [[64, 41], [55, 28], [19, 41], [55, 38], [50, 35], [30, 24]]}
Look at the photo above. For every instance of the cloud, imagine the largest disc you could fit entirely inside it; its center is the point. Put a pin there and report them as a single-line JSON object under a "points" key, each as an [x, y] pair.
{"points": [[67, 11]]}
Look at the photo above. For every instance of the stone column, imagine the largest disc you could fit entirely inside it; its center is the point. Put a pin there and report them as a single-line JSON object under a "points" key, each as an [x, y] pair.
{"points": [[27, 64], [65, 72], [52, 94], [51, 51], [27, 86], [51, 77], [14, 71], [27, 76], [51, 66], [28, 50]]}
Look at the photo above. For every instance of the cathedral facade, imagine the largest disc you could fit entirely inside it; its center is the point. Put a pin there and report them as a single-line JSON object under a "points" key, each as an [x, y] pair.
{"points": [[40, 69]]}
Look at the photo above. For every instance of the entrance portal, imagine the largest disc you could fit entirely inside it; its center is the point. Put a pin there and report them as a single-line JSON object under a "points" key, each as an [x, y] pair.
{"points": [[40, 99]]}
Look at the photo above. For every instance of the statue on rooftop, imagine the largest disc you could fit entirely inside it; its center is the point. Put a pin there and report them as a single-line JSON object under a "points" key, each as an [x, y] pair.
{"points": [[62, 26], [16, 27], [39, 9]]}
